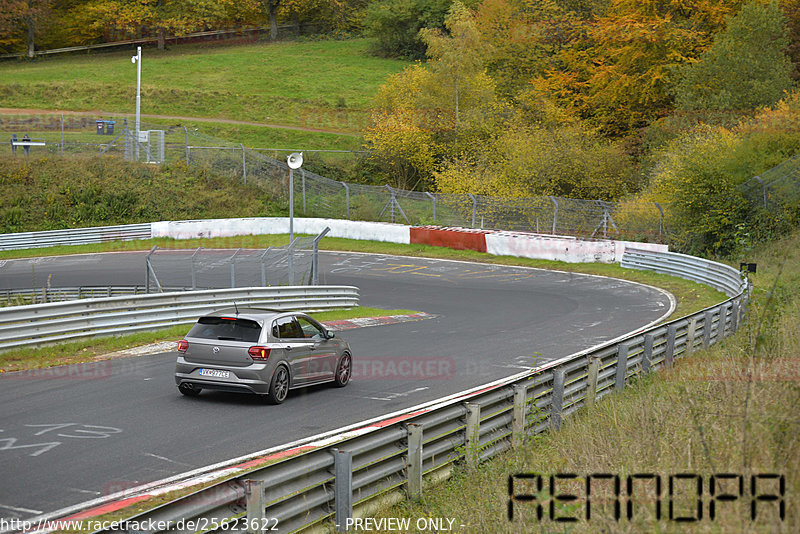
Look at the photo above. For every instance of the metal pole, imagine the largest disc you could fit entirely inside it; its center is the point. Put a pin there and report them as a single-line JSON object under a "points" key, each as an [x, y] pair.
{"points": [[138, 95], [291, 263], [343, 488], [291, 205], [433, 205], [474, 208], [62, 135], [186, 143]]}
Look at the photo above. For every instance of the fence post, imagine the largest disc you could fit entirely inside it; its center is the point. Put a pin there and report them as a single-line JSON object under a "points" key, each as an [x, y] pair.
{"points": [[264, 267], [708, 326], [194, 276], [474, 208], [244, 166], [414, 461], [303, 186], [233, 268], [186, 143], [622, 366], [343, 487], [254, 493], [473, 433], [557, 399], [433, 205], [647, 353], [690, 337], [520, 411], [555, 213], [315, 257], [669, 350], [346, 199], [591, 381]]}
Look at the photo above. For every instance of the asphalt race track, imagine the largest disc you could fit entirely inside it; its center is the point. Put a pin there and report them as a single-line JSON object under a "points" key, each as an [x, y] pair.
{"points": [[74, 434]]}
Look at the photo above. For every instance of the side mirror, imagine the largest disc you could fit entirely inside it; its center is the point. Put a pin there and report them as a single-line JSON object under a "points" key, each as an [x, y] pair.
{"points": [[330, 334]]}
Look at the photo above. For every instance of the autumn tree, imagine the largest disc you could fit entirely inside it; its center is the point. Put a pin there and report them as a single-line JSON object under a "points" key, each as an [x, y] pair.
{"points": [[745, 68], [19, 21]]}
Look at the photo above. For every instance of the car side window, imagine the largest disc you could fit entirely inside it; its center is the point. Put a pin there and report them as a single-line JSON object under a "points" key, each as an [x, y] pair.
{"points": [[287, 328], [309, 328]]}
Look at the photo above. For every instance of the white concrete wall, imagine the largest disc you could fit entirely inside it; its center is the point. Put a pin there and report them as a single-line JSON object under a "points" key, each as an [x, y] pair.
{"points": [[557, 248], [372, 231]]}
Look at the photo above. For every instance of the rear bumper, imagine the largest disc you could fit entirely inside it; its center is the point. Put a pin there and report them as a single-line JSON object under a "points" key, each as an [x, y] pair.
{"points": [[252, 379]]}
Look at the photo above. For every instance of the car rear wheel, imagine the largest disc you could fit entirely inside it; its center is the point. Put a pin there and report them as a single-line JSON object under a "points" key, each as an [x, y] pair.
{"points": [[279, 386], [343, 371], [189, 390]]}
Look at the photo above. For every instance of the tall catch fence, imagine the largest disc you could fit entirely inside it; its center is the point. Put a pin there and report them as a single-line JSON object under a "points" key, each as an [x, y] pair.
{"points": [[317, 196], [291, 265]]}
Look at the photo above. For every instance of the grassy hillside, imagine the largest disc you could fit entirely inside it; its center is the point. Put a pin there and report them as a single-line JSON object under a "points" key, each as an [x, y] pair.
{"points": [[731, 409], [319, 84], [52, 192]]}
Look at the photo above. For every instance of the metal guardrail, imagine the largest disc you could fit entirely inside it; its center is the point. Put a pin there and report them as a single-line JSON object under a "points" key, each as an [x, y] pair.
{"points": [[720, 277], [59, 294], [328, 482], [76, 236], [38, 324]]}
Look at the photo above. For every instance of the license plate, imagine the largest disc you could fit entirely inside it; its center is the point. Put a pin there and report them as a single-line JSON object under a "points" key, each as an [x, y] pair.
{"points": [[216, 373]]}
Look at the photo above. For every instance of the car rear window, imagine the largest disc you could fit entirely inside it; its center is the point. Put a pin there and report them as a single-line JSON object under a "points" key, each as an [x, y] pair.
{"points": [[226, 329]]}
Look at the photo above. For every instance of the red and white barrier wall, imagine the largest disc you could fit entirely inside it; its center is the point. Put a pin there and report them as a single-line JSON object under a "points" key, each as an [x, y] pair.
{"points": [[525, 245]]}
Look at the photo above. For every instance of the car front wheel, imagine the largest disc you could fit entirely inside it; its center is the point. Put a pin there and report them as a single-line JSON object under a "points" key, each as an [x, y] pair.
{"points": [[343, 371]]}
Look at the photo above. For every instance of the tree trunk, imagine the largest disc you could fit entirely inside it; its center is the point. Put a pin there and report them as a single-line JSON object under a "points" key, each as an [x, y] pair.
{"points": [[272, 8], [29, 20], [161, 35]]}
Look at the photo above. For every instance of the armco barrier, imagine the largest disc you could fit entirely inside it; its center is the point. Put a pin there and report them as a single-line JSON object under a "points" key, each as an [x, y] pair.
{"points": [[37, 324], [313, 482], [77, 236]]}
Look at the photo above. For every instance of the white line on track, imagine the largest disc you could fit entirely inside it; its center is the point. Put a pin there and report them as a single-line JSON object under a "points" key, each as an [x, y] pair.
{"points": [[24, 510]]}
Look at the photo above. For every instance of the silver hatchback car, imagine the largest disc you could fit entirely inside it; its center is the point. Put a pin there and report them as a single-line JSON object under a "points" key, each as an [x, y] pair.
{"points": [[266, 352]]}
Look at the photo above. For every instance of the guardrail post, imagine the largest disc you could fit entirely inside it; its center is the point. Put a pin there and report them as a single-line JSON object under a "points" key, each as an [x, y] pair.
{"points": [[622, 366], [735, 317], [708, 326], [343, 488], [414, 461], [520, 411], [722, 325], [669, 350], [557, 399], [647, 353], [591, 381], [473, 433], [254, 493], [690, 333]]}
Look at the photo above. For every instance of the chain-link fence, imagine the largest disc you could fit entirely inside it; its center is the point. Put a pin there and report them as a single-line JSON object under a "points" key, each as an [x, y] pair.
{"points": [[317, 196], [293, 265]]}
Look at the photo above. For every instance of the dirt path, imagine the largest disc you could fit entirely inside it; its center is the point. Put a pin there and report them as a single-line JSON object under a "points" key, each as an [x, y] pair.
{"points": [[30, 111]]}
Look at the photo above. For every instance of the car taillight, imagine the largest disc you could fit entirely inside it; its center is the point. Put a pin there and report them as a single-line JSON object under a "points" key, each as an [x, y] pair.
{"points": [[259, 353], [183, 345]]}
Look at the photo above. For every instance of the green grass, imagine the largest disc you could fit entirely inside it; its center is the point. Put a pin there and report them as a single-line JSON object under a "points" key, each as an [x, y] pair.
{"points": [[731, 409], [315, 84], [99, 348]]}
